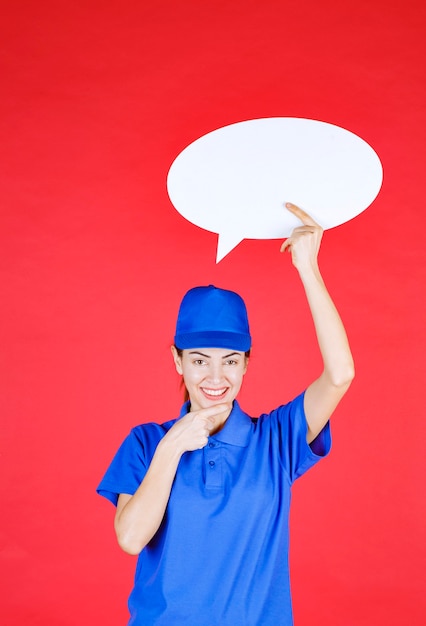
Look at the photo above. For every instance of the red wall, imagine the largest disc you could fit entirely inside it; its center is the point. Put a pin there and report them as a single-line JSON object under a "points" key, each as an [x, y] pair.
{"points": [[98, 99]]}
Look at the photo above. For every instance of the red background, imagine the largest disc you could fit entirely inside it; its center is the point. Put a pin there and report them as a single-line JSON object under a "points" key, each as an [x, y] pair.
{"points": [[98, 99]]}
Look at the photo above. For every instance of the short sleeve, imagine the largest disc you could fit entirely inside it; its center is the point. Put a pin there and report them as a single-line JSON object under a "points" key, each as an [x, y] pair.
{"points": [[127, 468], [297, 455]]}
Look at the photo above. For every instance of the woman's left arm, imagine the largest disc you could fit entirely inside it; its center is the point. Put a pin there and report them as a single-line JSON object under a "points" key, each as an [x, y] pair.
{"points": [[323, 395]]}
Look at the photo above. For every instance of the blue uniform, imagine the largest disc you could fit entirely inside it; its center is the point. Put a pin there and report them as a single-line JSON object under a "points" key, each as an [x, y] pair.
{"points": [[220, 556]]}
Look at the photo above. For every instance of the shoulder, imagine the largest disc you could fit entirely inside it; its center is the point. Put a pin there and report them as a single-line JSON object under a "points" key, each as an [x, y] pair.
{"points": [[139, 445], [150, 432]]}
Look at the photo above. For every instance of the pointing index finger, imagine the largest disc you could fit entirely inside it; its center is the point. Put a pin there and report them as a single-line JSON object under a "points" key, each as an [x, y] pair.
{"points": [[212, 411], [301, 214]]}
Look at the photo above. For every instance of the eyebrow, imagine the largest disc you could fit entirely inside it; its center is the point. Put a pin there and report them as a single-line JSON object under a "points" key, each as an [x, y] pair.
{"points": [[206, 356]]}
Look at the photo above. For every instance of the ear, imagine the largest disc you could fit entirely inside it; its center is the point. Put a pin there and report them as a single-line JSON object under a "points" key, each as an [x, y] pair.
{"points": [[177, 359]]}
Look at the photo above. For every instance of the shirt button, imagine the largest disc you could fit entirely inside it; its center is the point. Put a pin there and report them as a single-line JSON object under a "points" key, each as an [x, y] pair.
{"points": [[211, 463], [211, 444]]}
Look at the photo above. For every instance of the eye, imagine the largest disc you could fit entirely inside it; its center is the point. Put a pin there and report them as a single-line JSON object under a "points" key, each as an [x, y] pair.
{"points": [[231, 362], [198, 362]]}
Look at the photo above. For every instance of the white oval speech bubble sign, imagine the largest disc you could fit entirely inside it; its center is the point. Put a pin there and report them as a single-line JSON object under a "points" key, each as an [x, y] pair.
{"points": [[235, 180]]}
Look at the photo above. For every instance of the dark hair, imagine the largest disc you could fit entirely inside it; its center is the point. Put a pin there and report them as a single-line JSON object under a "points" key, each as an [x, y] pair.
{"points": [[182, 383]]}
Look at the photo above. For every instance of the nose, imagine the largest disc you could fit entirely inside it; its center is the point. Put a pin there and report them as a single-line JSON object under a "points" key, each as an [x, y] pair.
{"points": [[215, 373]]}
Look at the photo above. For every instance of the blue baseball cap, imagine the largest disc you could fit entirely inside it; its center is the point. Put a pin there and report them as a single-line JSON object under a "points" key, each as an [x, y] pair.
{"points": [[210, 317]]}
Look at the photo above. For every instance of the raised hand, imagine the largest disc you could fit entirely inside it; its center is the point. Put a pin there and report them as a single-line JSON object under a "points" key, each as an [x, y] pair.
{"points": [[192, 431], [304, 242]]}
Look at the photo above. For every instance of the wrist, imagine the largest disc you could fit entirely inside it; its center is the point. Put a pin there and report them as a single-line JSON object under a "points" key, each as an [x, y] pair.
{"points": [[309, 271], [169, 447]]}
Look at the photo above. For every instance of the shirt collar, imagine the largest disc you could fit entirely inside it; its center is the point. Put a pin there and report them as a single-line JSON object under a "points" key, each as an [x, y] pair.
{"points": [[236, 430]]}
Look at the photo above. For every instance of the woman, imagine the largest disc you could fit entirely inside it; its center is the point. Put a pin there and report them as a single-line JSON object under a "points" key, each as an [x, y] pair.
{"points": [[204, 499]]}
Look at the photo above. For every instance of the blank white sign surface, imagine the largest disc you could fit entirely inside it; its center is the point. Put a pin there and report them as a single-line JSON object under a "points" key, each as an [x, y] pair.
{"points": [[235, 180]]}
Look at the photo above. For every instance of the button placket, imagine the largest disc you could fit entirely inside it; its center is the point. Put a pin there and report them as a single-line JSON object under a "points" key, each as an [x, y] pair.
{"points": [[213, 465]]}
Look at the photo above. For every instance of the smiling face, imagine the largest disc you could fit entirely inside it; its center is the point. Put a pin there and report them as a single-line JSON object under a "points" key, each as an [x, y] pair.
{"points": [[211, 375]]}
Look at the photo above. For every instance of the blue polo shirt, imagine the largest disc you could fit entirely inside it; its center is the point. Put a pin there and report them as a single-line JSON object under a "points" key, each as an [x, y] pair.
{"points": [[220, 556]]}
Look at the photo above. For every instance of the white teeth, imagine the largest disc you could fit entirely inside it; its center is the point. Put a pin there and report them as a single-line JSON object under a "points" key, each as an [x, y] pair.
{"points": [[214, 392]]}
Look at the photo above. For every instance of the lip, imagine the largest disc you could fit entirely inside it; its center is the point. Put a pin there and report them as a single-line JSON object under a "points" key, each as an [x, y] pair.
{"points": [[214, 396]]}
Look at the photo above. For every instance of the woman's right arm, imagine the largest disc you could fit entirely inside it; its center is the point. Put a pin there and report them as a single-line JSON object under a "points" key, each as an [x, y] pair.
{"points": [[138, 517]]}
